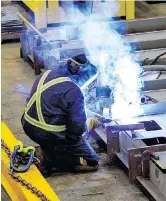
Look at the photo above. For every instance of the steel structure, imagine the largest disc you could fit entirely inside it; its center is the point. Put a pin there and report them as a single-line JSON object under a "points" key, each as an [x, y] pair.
{"points": [[142, 150], [149, 42]]}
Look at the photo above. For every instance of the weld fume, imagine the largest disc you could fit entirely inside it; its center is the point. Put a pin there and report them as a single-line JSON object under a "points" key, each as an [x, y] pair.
{"points": [[118, 67]]}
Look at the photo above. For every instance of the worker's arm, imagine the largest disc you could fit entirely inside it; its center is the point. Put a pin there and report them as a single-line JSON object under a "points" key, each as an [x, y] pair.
{"points": [[76, 116]]}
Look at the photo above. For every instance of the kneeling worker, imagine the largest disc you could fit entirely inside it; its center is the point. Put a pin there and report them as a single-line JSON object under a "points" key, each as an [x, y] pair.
{"points": [[55, 119]]}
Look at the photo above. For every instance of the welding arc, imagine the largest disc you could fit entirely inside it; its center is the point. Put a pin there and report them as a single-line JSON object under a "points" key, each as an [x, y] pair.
{"points": [[154, 68]]}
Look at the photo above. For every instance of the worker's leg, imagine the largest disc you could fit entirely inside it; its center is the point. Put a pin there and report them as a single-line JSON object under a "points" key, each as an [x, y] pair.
{"points": [[44, 139], [76, 156], [84, 150], [72, 155]]}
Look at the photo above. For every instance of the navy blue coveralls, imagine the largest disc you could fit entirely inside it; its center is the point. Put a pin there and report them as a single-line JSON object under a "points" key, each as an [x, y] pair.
{"points": [[62, 104]]}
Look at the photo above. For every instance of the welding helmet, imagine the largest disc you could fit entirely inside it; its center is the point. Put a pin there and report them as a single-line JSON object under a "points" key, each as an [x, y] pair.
{"points": [[76, 63]]}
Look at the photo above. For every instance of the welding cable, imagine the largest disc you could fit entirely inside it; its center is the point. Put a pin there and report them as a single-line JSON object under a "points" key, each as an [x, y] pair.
{"points": [[144, 61], [159, 74], [154, 68], [151, 99], [154, 61]]}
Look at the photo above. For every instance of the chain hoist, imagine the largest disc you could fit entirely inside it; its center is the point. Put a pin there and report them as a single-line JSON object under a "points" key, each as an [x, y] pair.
{"points": [[15, 161]]}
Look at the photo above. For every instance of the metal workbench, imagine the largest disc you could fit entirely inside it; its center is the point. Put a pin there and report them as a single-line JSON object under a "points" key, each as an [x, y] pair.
{"points": [[142, 151]]}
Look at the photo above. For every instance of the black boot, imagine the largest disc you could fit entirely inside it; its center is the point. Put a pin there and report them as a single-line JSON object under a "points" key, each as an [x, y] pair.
{"points": [[44, 168]]}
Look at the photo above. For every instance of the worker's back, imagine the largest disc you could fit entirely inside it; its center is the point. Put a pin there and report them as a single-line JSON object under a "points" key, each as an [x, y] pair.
{"points": [[62, 103]]}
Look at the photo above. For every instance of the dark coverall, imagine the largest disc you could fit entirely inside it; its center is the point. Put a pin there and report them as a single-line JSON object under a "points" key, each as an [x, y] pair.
{"points": [[61, 104]]}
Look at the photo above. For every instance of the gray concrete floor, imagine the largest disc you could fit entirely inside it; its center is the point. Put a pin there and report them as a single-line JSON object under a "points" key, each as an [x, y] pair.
{"points": [[17, 80]]}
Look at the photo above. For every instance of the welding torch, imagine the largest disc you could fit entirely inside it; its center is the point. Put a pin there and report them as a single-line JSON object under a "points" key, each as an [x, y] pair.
{"points": [[99, 121]]}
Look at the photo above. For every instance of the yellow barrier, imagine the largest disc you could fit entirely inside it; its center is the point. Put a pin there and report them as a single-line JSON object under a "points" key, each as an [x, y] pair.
{"points": [[53, 14], [15, 190], [130, 9], [40, 12]]}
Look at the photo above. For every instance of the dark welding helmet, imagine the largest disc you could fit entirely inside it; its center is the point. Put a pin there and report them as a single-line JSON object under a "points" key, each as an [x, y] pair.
{"points": [[76, 63]]}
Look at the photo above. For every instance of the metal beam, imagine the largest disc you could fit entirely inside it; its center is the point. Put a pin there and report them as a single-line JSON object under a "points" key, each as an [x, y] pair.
{"points": [[67, 52], [14, 189], [142, 25], [63, 54], [154, 109], [154, 85], [151, 54], [101, 133], [127, 127], [147, 40], [143, 41], [151, 188], [134, 163], [125, 27]]}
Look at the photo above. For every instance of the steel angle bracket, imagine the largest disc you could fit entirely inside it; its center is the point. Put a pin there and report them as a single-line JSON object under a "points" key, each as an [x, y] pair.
{"points": [[15, 190], [135, 156]]}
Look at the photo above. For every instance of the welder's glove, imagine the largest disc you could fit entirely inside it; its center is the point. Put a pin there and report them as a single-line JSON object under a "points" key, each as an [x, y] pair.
{"points": [[93, 123]]}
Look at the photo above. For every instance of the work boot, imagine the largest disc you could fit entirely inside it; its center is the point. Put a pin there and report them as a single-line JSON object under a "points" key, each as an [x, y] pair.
{"points": [[39, 155], [85, 167], [45, 171]]}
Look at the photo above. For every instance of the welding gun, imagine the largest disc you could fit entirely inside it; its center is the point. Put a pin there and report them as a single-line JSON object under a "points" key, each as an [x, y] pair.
{"points": [[97, 121]]}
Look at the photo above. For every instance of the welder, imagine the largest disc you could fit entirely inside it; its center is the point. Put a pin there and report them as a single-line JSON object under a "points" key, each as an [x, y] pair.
{"points": [[55, 118]]}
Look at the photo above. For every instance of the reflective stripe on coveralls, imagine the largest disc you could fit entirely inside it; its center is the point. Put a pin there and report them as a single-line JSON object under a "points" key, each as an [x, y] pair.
{"points": [[37, 97]]}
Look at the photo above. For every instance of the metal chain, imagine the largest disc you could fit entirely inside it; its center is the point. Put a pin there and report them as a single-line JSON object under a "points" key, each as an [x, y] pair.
{"points": [[22, 181]]}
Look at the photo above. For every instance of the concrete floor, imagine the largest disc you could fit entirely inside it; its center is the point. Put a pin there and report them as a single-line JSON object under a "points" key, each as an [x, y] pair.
{"points": [[17, 80]]}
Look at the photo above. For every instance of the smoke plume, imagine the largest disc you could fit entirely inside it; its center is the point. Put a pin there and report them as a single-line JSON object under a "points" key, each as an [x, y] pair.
{"points": [[118, 67]]}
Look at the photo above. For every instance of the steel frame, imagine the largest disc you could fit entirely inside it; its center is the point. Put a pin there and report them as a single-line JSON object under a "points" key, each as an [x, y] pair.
{"points": [[154, 85], [134, 153], [151, 39], [137, 157], [157, 182], [136, 25]]}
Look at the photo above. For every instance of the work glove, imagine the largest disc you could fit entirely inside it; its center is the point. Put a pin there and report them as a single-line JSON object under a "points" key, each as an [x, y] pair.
{"points": [[93, 123], [95, 120]]}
